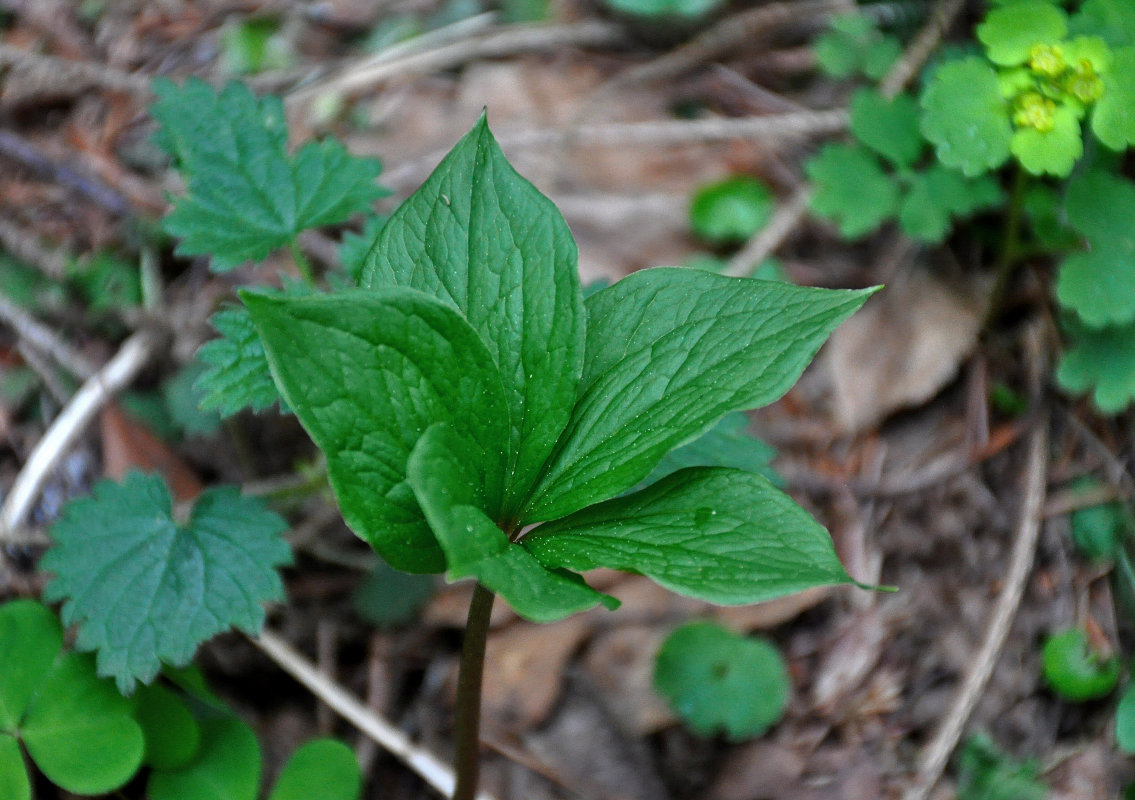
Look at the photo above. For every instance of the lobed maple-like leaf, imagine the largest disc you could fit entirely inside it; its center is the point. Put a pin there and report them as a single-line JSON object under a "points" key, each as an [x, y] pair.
{"points": [[852, 189], [1100, 361], [145, 589]]}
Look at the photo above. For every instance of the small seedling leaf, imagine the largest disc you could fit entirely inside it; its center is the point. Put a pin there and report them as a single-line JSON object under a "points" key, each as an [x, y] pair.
{"points": [[1074, 671], [30, 640], [483, 239], [80, 731], [227, 766], [367, 372], [670, 351], [172, 734], [474, 546], [247, 197], [851, 189], [14, 784], [966, 118], [717, 680], [1100, 361], [730, 210], [722, 535], [889, 127], [145, 589], [324, 769]]}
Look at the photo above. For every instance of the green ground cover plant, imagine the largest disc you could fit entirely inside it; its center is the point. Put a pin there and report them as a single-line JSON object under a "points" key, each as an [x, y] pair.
{"points": [[520, 434]]}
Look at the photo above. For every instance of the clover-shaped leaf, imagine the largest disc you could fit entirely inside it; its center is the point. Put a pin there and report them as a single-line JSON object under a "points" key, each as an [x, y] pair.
{"points": [[323, 768], [145, 589], [77, 729], [1009, 33], [889, 127], [717, 680], [965, 116], [851, 189], [1100, 361], [225, 767], [172, 733]]}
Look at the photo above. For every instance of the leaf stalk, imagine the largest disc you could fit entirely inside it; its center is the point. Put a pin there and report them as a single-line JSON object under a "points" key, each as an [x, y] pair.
{"points": [[467, 725]]}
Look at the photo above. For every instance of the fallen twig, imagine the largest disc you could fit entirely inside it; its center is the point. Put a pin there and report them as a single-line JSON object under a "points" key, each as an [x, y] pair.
{"points": [[68, 426], [426, 764]]}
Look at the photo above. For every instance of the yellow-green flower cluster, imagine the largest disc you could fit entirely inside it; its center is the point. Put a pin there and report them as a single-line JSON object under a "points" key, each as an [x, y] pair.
{"points": [[1055, 82]]}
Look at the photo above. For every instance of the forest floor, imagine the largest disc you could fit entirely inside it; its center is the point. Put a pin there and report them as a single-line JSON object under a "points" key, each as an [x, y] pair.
{"points": [[889, 439]]}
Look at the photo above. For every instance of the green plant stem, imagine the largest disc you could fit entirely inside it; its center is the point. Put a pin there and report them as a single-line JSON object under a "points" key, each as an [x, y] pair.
{"points": [[1011, 252], [302, 264], [467, 757]]}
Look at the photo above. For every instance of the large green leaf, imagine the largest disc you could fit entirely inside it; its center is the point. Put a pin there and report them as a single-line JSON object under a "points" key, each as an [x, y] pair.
{"points": [[145, 589], [30, 640], [322, 768], [14, 784], [726, 444], [721, 535], [227, 766], [669, 353], [247, 196], [446, 487], [367, 372], [80, 731], [482, 238]]}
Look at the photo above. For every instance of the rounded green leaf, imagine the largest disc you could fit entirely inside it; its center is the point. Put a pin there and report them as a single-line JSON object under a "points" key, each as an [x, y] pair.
{"points": [[1113, 121], [324, 769], [889, 127], [1102, 361], [731, 210], [172, 734], [227, 766], [80, 731], [1009, 33], [1074, 671], [1125, 721], [14, 784], [966, 117], [851, 189], [30, 640], [718, 680], [1051, 152]]}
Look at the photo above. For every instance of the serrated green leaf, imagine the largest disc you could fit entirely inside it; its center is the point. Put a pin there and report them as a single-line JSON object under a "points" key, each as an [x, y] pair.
{"points": [[939, 195], [246, 196], [730, 210], [145, 589], [14, 783], [80, 731], [1113, 120], [446, 487], [1098, 283], [227, 766], [1009, 33], [717, 680], [722, 535], [322, 768], [670, 351], [171, 733], [1100, 361], [1051, 152], [851, 189], [482, 238], [889, 127], [726, 444], [30, 640], [367, 372], [1111, 20], [966, 118]]}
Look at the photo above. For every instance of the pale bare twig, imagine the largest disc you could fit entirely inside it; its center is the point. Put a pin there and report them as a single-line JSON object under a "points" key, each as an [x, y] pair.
{"points": [[44, 339], [68, 426], [786, 217], [426, 764], [366, 76], [906, 68], [60, 74], [937, 752]]}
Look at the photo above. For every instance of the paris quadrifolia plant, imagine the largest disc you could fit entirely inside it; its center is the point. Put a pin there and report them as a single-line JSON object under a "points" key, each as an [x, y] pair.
{"points": [[479, 417]]}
